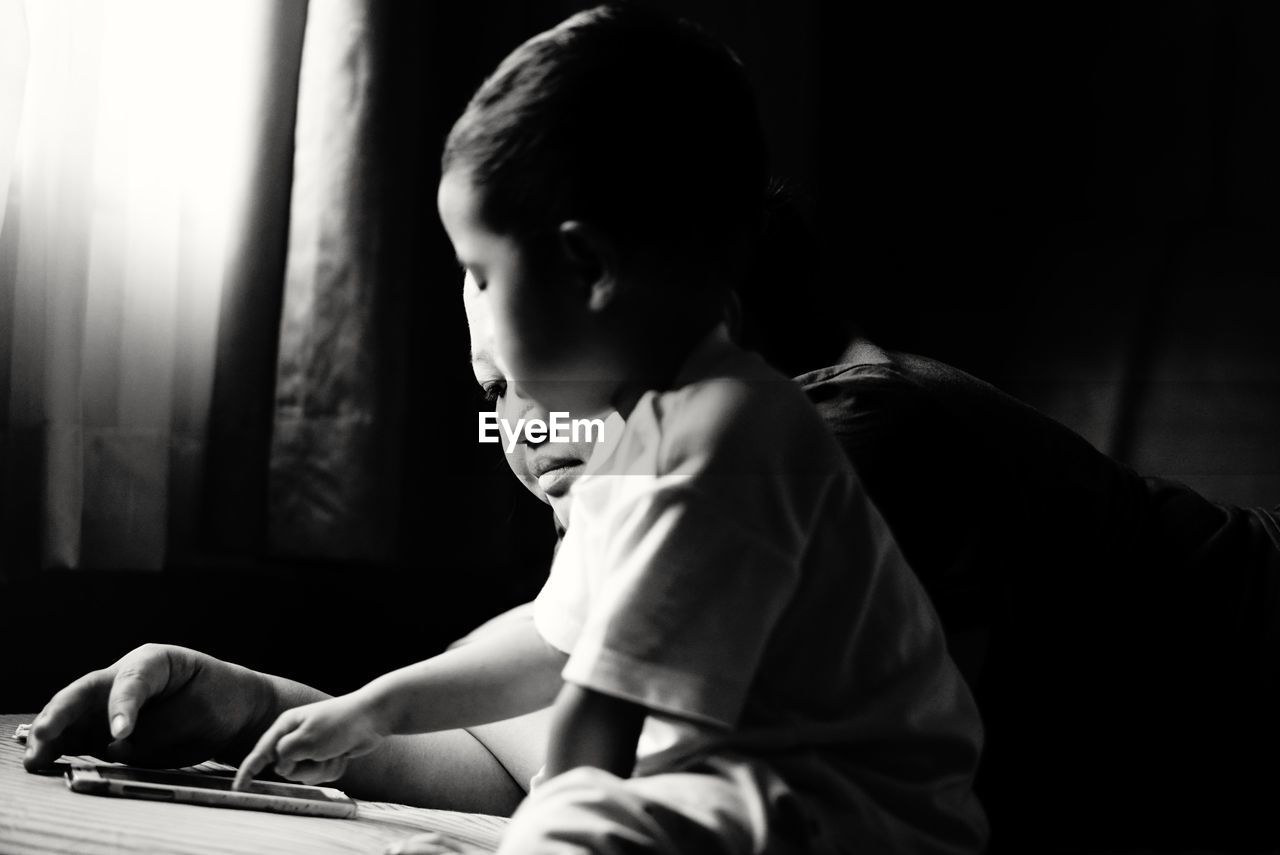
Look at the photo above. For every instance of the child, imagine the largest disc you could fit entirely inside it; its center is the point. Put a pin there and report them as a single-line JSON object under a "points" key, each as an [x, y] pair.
{"points": [[748, 665]]}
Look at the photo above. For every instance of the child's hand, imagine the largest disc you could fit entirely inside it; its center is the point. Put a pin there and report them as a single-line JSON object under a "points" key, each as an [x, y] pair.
{"points": [[313, 743]]}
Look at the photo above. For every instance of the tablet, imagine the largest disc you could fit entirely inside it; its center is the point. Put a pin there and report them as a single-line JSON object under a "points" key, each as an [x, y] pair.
{"points": [[213, 790]]}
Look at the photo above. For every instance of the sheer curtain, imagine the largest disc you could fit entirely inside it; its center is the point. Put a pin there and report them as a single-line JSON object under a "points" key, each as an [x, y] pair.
{"points": [[219, 331], [127, 170]]}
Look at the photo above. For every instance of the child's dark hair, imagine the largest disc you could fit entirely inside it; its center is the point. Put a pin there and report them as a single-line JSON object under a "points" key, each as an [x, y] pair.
{"points": [[619, 116]]}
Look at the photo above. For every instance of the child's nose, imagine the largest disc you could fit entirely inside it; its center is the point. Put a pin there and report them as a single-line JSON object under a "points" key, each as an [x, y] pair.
{"points": [[515, 407]]}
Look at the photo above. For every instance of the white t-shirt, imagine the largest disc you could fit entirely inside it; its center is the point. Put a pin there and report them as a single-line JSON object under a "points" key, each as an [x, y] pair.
{"points": [[724, 568]]}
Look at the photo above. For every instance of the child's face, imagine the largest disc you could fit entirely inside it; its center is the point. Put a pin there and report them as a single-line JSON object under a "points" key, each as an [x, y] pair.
{"points": [[547, 469], [544, 339]]}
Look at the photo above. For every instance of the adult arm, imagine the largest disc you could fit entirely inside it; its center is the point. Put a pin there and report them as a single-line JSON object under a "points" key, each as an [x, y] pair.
{"points": [[161, 705]]}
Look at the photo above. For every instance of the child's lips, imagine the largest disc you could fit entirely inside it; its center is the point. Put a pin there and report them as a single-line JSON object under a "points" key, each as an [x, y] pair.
{"points": [[556, 479]]}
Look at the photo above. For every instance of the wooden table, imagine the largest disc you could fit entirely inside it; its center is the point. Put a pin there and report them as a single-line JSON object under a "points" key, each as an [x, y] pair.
{"points": [[39, 814]]}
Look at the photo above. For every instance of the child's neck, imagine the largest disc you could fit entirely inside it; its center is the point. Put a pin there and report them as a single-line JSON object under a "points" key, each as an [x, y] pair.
{"points": [[664, 345]]}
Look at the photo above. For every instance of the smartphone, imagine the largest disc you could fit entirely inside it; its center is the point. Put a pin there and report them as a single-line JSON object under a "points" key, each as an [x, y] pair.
{"points": [[198, 789]]}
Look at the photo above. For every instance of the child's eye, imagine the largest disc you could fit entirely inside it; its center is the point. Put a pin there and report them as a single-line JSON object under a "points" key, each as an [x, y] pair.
{"points": [[493, 390]]}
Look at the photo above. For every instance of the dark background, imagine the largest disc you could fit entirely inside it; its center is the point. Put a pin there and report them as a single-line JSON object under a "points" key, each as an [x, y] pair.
{"points": [[1076, 203]]}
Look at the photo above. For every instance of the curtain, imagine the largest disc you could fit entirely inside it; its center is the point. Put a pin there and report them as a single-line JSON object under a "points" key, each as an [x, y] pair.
{"points": [[229, 326], [128, 176], [333, 491], [373, 456]]}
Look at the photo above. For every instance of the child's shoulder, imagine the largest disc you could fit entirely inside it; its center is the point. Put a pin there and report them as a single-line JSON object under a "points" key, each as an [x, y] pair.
{"points": [[732, 407], [741, 392]]}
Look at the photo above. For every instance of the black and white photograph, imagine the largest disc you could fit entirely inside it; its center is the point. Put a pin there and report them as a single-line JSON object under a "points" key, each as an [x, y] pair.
{"points": [[604, 427]]}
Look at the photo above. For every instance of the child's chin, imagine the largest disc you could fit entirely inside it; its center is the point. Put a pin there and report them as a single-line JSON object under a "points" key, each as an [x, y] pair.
{"points": [[555, 483]]}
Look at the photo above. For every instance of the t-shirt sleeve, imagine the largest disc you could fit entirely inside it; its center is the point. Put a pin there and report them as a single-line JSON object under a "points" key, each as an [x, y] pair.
{"points": [[686, 597], [561, 605]]}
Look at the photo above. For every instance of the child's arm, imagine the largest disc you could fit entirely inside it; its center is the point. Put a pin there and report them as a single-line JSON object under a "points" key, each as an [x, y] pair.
{"points": [[589, 728], [508, 673]]}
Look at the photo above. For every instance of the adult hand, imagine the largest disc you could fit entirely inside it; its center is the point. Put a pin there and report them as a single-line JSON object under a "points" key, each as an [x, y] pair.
{"points": [[159, 705], [313, 743]]}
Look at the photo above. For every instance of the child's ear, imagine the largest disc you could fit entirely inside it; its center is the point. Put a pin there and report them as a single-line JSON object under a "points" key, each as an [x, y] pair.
{"points": [[592, 258]]}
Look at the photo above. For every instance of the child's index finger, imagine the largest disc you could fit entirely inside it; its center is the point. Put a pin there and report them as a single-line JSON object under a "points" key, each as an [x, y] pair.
{"points": [[252, 765], [262, 754]]}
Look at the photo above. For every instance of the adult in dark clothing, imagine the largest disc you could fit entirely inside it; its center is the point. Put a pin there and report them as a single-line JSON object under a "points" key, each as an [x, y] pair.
{"points": [[1129, 683]]}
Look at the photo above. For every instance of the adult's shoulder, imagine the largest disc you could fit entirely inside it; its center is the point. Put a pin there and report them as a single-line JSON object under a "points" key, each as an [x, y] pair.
{"points": [[882, 392], [869, 375], [915, 427]]}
